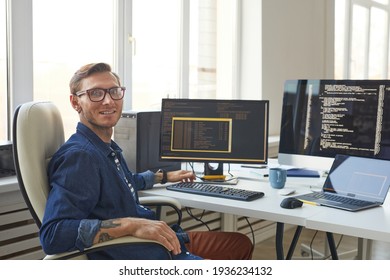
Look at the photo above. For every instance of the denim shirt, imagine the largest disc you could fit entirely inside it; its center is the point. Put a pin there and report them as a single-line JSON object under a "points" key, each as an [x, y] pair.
{"points": [[86, 188]]}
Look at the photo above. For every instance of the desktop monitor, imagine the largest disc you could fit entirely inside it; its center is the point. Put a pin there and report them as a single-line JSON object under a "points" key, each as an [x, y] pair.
{"points": [[214, 131], [322, 118], [138, 134]]}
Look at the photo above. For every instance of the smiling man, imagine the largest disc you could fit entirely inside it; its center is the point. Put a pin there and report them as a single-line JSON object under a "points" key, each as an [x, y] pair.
{"points": [[93, 195]]}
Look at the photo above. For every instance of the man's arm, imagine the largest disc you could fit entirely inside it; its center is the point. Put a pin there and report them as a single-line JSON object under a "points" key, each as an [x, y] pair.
{"points": [[142, 228], [175, 176]]}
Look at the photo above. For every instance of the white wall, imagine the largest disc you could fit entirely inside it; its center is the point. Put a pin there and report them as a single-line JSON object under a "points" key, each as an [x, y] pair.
{"points": [[250, 82], [280, 40]]}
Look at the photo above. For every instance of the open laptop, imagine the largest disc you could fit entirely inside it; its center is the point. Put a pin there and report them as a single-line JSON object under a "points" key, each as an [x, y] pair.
{"points": [[354, 183]]}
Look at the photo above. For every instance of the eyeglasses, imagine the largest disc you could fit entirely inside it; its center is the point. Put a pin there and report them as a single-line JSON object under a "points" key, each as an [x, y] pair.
{"points": [[98, 94]]}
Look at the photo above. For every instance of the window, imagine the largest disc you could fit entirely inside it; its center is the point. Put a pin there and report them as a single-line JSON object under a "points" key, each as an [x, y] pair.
{"points": [[3, 75], [203, 56], [174, 50], [362, 39], [155, 35], [67, 35]]}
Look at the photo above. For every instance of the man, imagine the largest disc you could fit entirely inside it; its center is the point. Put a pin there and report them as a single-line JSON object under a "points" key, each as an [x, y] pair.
{"points": [[93, 194]]}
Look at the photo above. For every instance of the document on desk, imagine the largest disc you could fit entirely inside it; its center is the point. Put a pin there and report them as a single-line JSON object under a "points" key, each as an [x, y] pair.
{"points": [[293, 172], [302, 172]]}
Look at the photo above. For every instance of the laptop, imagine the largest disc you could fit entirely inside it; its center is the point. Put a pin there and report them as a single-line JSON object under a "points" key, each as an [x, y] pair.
{"points": [[353, 184]]}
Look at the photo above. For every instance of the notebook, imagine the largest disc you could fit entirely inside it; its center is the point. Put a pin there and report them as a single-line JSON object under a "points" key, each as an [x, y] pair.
{"points": [[353, 184], [302, 172]]}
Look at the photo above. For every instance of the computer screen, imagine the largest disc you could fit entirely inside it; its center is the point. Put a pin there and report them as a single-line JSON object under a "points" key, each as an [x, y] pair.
{"points": [[138, 134], [322, 118], [214, 131]]}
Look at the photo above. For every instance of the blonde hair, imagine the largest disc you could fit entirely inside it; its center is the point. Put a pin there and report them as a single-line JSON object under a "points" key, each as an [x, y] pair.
{"points": [[86, 71]]}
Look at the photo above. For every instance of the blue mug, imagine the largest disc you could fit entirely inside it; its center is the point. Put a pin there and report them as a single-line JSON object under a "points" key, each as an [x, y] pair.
{"points": [[277, 177]]}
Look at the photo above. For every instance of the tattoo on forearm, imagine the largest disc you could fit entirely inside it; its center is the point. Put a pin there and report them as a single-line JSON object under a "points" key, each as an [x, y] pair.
{"points": [[104, 237]]}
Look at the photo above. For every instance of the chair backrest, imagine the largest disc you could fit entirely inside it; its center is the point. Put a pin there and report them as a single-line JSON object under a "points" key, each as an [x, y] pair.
{"points": [[38, 132]]}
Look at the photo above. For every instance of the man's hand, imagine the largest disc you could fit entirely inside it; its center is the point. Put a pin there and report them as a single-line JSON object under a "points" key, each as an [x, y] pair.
{"points": [[141, 228], [180, 175]]}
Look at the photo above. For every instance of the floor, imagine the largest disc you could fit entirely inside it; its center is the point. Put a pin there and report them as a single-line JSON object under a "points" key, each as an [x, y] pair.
{"points": [[311, 245]]}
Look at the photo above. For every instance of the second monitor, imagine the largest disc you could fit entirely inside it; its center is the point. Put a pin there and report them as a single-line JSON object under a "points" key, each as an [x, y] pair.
{"points": [[323, 118], [214, 131]]}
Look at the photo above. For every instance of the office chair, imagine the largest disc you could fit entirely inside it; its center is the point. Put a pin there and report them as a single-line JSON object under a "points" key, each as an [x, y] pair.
{"points": [[37, 134]]}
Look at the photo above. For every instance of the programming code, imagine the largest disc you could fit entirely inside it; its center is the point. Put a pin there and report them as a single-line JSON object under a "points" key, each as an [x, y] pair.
{"points": [[212, 130], [201, 134], [349, 111]]}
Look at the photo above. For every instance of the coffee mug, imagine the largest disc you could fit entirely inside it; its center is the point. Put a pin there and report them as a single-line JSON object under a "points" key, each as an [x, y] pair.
{"points": [[277, 177]]}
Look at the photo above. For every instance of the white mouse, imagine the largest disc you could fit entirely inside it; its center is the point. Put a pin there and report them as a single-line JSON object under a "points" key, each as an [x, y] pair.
{"points": [[286, 191]]}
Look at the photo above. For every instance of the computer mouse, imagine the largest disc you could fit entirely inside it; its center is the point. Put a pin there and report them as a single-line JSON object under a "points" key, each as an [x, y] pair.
{"points": [[291, 203], [286, 191]]}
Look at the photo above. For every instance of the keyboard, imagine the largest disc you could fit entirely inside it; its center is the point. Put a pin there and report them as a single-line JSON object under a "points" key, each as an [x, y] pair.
{"points": [[344, 200], [216, 191]]}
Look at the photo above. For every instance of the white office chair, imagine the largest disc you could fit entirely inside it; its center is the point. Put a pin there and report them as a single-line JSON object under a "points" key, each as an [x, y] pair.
{"points": [[37, 134]]}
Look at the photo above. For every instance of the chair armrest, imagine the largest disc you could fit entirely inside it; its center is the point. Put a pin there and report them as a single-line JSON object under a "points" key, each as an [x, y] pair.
{"points": [[159, 200], [162, 201], [126, 240]]}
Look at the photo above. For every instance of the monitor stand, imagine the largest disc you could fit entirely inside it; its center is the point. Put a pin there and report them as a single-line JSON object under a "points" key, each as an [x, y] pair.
{"points": [[214, 175], [210, 170]]}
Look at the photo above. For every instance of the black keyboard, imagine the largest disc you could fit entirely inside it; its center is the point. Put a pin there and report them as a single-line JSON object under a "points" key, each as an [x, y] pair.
{"points": [[217, 191], [345, 200]]}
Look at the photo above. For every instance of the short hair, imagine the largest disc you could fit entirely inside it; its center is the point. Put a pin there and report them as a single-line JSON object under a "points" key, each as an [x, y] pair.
{"points": [[86, 71]]}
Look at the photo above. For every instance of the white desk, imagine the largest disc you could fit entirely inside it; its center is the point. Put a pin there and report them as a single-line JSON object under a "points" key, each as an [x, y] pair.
{"points": [[368, 224], [267, 208]]}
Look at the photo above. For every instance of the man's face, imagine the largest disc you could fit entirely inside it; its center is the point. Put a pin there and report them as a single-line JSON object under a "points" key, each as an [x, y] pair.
{"points": [[103, 115]]}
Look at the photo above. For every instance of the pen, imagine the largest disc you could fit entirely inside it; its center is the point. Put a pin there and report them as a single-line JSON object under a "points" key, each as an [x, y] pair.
{"points": [[309, 202]]}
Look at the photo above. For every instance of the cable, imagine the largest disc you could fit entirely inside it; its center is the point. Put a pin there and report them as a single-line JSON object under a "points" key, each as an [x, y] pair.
{"points": [[191, 164], [253, 234], [198, 219], [325, 257], [229, 172], [337, 246], [311, 245]]}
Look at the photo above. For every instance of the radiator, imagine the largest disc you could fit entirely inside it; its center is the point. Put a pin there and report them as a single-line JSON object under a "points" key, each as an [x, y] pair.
{"points": [[18, 231]]}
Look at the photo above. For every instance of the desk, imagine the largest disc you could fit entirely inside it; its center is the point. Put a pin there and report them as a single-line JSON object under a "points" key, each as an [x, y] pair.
{"points": [[267, 208], [368, 224]]}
